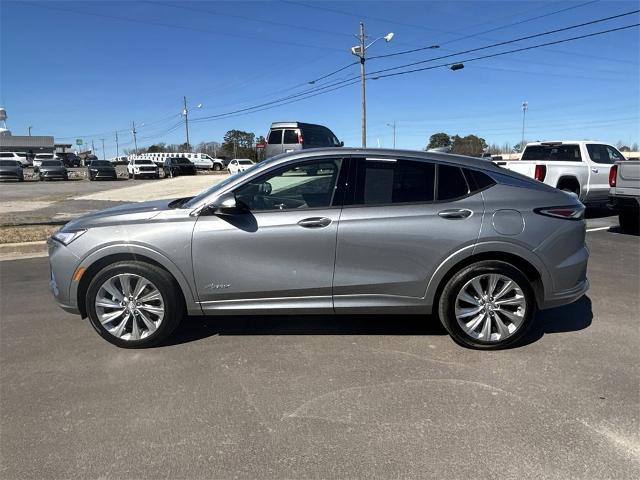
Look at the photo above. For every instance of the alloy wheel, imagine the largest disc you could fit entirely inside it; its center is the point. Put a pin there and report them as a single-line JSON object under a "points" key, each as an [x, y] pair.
{"points": [[490, 307], [129, 306]]}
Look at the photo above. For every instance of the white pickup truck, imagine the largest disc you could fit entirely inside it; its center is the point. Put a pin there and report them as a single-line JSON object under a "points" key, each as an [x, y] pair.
{"points": [[581, 167], [624, 196]]}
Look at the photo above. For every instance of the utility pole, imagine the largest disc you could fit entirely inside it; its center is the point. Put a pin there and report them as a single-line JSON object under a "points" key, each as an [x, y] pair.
{"points": [[93, 149], [525, 105], [104, 157], [135, 140], [30, 127], [362, 54], [185, 112], [117, 146]]}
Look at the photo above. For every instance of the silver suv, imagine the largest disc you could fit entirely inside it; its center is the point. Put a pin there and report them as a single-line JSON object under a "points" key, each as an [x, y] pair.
{"points": [[331, 231]]}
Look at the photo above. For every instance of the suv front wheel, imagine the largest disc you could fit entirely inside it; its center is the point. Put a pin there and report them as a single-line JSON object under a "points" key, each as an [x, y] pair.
{"points": [[134, 304], [487, 305]]}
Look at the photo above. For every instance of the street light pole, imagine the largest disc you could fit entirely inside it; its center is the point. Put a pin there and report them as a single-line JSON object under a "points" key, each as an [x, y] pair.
{"points": [[525, 105], [30, 127], [185, 112], [360, 51], [363, 87], [393, 125], [117, 146], [135, 141], [104, 157]]}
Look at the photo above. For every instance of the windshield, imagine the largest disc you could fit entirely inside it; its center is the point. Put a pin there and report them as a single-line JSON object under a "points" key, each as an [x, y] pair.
{"points": [[9, 163], [100, 163], [43, 156], [144, 162], [180, 160], [204, 194], [51, 163], [245, 162]]}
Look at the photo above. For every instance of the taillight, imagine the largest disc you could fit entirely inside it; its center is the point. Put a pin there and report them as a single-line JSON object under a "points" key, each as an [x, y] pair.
{"points": [[572, 212], [300, 137], [540, 173], [613, 175]]}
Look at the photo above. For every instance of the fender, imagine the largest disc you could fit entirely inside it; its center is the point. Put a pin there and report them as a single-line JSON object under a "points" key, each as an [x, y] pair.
{"points": [[487, 247], [192, 305]]}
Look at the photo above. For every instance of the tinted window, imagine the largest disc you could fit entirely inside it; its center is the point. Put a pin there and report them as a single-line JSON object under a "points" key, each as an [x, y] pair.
{"points": [[144, 162], [395, 181], [603, 153], [9, 163], [100, 163], [290, 136], [42, 156], [245, 162], [478, 180], [319, 137], [51, 163], [6, 155], [275, 137], [562, 153], [451, 183], [304, 185]]}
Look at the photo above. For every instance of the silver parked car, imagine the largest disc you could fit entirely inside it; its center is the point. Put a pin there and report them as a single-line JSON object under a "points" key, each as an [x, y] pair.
{"points": [[331, 231], [11, 169], [50, 169]]}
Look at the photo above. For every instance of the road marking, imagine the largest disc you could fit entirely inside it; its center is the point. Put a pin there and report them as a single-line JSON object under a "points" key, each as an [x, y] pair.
{"points": [[598, 228]]}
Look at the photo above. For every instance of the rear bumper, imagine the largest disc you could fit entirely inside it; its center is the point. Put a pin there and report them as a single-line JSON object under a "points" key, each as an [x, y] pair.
{"points": [[618, 202], [569, 280], [565, 297]]}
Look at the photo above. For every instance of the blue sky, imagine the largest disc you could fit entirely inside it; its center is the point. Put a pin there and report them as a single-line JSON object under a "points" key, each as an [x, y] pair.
{"points": [[87, 69]]}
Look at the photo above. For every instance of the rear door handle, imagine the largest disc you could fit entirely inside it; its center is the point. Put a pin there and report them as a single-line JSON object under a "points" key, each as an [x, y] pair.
{"points": [[315, 222], [455, 214]]}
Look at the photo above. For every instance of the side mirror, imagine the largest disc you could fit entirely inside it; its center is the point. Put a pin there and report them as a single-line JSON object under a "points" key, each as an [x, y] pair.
{"points": [[225, 203]]}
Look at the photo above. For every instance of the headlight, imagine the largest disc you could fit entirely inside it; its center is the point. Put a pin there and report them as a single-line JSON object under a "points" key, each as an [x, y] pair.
{"points": [[67, 237]]}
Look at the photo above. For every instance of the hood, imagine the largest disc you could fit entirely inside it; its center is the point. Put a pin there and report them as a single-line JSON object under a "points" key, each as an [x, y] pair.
{"points": [[127, 213], [52, 169]]}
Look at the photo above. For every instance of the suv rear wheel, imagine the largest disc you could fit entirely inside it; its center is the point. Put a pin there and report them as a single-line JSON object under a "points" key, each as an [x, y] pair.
{"points": [[487, 305], [134, 304]]}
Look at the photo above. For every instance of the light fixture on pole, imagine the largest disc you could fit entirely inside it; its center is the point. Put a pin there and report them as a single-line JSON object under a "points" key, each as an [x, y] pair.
{"points": [[360, 52], [185, 113], [525, 106], [393, 126]]}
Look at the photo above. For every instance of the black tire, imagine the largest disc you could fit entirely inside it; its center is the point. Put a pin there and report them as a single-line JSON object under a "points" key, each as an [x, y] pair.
{"points": [[41, 178], [129, 175], [447, 301], [629, 221], [217, 167], [157, 176], [163, 281]]}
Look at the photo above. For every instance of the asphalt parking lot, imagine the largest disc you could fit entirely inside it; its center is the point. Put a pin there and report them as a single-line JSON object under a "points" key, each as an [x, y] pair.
{"points": [[325, 397]]}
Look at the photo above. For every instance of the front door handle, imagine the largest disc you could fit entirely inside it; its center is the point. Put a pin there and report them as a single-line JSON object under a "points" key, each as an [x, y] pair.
{"points": [[455, 214], [315, 222]]}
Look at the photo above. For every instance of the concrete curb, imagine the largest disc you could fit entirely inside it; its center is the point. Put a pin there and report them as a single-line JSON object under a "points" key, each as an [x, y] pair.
{"points": [[15, 251]]}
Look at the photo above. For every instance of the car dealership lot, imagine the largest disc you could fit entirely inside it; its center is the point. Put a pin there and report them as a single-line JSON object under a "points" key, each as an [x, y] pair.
{"points": [[346, 396]]}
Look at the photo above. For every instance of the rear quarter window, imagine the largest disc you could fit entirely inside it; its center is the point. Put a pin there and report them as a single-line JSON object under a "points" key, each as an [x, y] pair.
{"points": [[275, 137], [451, 183]]}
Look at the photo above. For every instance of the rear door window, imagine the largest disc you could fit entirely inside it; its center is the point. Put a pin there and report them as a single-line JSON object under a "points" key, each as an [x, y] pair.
{"points": [[275, 137], [290, 136], [451, 183], [319, 137], [390, 181], [600, 153], [560, 153]]}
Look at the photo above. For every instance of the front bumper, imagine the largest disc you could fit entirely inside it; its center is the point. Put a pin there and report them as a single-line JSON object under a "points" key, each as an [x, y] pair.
{"points": [[62, 266], [48, 174], [103, 174], [11, 175]]}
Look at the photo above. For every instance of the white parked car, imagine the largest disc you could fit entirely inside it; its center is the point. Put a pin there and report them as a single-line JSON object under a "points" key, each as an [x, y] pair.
{"points": [[142, 167], [239, 165], [18, 156], [200, 160], [37, 160], [581, 167]]}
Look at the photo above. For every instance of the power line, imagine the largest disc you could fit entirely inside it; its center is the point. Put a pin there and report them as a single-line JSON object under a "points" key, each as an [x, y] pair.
{"points": [[528, 37], [344, 83]]}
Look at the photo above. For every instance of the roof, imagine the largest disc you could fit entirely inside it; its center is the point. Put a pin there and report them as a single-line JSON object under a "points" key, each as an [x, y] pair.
{"points": [[25, 141], [461, 160], [295, 125], [573, 142]]}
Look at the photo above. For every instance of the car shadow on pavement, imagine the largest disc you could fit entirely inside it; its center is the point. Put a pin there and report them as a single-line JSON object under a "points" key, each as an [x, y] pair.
{"points": [[197, 328], [619, 231], [598, 212], [569, 318]]}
